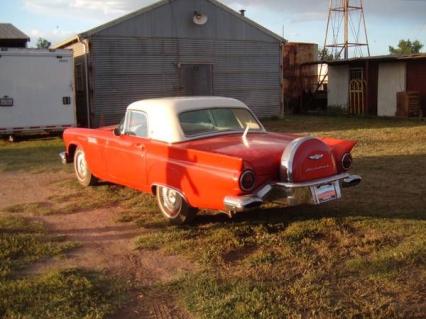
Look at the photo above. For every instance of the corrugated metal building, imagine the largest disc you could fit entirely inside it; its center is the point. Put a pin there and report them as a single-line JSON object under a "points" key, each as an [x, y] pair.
{"points": [[375, 85], [161, 51]]}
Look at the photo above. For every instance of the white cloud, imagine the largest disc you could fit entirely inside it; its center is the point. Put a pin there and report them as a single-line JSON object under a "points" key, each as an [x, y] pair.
{"points": [[97, 10], [301, 10], [54, 36]]}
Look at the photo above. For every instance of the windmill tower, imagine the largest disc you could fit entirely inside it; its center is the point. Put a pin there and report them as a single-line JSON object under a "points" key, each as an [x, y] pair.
{"points": [[346, 33]]}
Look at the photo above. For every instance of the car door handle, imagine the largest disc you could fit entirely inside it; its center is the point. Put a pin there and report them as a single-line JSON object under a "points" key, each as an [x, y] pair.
{"points": [[140, 146]]}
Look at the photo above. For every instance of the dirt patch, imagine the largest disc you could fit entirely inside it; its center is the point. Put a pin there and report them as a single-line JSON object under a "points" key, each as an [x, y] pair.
{"points": [[153, 307], [104, 245], [23, 188]]}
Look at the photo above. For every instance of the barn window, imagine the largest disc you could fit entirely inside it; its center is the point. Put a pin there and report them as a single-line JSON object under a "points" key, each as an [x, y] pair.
{"points": [[356, 74]]}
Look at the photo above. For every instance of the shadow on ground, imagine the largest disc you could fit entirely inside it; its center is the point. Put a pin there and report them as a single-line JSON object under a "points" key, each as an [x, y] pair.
{"points": [[393, 187]]}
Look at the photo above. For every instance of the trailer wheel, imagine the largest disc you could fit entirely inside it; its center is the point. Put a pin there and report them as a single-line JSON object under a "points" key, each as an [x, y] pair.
{"points": [[174, 207], [82, 171]]}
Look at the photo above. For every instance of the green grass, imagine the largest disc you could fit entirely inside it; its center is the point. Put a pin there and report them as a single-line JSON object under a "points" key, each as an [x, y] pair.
{"points": [[64, 294], [363, 256], [22, 242], [31, 155]]}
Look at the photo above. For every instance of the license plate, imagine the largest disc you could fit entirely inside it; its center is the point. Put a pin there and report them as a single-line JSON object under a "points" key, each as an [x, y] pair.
{"points": [[326, 193]]}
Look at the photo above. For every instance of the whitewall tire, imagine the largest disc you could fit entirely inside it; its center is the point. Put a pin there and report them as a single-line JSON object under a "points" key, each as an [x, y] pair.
{"points": [[173, 206], [81, 169]]}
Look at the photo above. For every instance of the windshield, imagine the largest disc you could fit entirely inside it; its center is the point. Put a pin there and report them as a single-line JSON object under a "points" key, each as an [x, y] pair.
{"points": [[216, 120]]}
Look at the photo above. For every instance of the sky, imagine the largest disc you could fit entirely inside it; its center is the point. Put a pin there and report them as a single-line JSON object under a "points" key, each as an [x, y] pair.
{"points": [[388, 21]]}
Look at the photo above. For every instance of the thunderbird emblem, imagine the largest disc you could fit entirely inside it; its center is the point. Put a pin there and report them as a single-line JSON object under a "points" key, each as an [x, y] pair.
{"points": [[316, 157]]}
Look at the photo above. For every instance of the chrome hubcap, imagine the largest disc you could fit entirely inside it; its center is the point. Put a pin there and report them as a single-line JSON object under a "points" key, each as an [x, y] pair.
{"points": [[81, 165], [171, 200]]}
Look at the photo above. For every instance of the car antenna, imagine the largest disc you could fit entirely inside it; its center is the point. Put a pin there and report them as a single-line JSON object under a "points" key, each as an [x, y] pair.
{"points": [[244, 137]]}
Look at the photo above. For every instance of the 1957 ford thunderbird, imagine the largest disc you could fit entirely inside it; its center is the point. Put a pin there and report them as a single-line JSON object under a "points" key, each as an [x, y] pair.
{"points": [[209, 153]]}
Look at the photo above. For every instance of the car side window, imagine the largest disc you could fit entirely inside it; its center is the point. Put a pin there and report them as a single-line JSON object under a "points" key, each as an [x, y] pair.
{"points": [[137, 124]]}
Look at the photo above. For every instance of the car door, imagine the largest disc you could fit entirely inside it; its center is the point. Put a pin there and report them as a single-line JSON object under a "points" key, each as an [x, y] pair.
{"points": [[125, 153]]}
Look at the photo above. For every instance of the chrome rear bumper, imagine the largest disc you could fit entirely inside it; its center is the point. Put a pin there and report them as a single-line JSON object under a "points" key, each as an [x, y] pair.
{"points": [[288, 191]]}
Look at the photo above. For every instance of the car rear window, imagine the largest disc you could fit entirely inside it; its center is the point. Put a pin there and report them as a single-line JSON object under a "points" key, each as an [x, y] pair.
{"points": [[216, 120]]}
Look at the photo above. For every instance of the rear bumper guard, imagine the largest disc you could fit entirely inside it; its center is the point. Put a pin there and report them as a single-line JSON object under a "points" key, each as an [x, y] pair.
{"points": [[237, 204], [65, 159]]}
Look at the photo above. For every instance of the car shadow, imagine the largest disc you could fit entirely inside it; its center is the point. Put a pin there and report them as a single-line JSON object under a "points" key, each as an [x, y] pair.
{"points": [[393, 187]]}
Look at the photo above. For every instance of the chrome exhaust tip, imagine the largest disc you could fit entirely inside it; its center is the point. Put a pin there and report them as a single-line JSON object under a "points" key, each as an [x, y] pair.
{"points": [[351, 181]]}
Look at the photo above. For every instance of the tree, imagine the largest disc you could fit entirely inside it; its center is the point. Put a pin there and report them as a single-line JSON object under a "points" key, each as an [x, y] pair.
{"points": [[406, 47], [325, 55], [43, 43]]}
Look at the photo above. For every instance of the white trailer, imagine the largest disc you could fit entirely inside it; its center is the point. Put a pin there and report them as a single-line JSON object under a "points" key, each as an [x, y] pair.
{"points": [[36, 91]]}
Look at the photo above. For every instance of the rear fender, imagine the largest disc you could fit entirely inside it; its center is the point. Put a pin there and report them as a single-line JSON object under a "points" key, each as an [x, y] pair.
{"points": [[203, 178], [339, 148]]}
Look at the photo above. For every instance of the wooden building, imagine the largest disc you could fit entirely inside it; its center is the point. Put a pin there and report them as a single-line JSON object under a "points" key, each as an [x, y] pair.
{"points": [[381, 85]]}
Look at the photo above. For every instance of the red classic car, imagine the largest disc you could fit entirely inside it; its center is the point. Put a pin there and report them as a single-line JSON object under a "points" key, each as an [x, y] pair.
{"points": [[208, 153]]}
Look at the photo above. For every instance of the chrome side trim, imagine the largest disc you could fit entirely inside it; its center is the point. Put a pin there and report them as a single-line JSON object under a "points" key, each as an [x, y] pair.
{"points": [[289, 153]]}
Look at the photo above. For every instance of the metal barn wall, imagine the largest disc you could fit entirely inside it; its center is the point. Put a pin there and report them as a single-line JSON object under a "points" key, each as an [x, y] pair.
{"points": [[129, 69], [80, 82], [142, 58]]}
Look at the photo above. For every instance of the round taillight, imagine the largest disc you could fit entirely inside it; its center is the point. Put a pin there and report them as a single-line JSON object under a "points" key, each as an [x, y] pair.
{"points": [[347, 161], [247, 181]]}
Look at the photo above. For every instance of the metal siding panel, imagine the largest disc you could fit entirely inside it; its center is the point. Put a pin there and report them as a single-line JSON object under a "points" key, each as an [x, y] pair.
{"points": [[174, 20], [129, 69], [136, 46]]}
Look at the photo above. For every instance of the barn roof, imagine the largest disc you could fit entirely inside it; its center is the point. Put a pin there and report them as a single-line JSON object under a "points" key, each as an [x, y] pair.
{"points": [[381, 58], [10, 32], [136, 13]]}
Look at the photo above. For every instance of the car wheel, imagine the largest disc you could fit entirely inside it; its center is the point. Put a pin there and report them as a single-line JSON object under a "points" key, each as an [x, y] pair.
{"points": [[82, 171], [174, 207]]}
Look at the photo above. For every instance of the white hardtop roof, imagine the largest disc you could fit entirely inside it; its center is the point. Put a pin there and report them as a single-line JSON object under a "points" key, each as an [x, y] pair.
{"points": [[163, 114], [182, 104]]}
